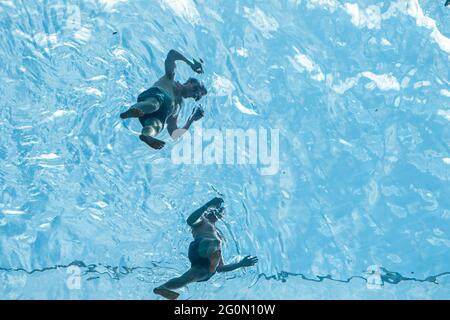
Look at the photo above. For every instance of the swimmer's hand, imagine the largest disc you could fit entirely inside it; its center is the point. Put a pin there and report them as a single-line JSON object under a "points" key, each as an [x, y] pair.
{"points": [[197, 66], [248, 261], [197, 113]]}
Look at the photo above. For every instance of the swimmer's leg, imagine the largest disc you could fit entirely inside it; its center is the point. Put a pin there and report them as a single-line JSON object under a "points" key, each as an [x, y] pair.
{"points": [[192, 275], [152, 128], [142, 108]]}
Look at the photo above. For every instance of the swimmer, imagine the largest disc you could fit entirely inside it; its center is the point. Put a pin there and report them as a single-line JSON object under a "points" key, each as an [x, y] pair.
{"points": [[161, 104], [205, 252], [447, 3]]}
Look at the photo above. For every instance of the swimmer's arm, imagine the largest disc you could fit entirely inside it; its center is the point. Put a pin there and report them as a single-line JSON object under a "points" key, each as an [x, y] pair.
{"points": [[248, 261], [227, 267], [172, 127], [169, 64], [197, 214]]}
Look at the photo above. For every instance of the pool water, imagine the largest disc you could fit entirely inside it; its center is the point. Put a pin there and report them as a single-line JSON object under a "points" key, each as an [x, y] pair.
{"points": [[359, 92]]}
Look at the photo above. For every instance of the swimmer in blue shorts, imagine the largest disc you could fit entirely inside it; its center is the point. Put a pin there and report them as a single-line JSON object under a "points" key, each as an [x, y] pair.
{"points": [[161, 104], [205, 252]]}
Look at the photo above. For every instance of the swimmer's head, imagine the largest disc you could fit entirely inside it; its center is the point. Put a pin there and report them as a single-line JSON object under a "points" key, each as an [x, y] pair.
{"points": [[215, 214], [194, 89]]}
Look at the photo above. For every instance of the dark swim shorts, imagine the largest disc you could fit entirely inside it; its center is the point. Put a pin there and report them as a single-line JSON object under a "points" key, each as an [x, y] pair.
{"points": [[199, 249], [165, 104]]}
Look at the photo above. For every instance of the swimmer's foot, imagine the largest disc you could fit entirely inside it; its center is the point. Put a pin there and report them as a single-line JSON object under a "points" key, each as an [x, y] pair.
{"points": [[132, 113], [166, 293], [152, 142]]}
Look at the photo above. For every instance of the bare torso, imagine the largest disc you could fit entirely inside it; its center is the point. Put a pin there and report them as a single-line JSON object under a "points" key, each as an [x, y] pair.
{"points": [[206, 229], [171, 87]]}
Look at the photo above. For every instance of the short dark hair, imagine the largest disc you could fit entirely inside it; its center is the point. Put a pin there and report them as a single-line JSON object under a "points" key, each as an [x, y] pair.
{"points": [[201, 88]]}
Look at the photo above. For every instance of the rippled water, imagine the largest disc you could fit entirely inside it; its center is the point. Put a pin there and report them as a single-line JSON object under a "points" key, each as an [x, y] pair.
{"points": [[359, 92]]}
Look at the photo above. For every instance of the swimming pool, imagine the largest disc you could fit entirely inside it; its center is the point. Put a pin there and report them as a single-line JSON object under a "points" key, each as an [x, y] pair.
{"points": [[357, 92]]}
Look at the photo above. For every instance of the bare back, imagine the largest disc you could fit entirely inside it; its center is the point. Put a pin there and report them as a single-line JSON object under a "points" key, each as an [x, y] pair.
{"points": [[205, 229], [170, 86]]}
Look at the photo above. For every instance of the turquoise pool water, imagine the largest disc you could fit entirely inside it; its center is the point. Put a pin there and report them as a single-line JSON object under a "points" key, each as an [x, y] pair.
{"points": [[359, 92]]}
